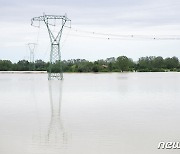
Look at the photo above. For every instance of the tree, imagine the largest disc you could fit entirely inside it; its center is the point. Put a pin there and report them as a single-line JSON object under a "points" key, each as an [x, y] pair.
{"points": [[124, 63], [145, 64], [5, 65], [158, 62], [172, 63], [23, 65], [40, 65]]}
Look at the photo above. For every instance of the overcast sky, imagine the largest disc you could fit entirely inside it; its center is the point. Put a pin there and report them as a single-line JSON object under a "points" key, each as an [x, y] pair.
{"points": [[123, 17]]}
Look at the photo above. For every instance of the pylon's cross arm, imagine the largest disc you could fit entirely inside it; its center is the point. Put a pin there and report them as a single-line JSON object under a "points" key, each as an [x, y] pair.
{"points": [[45, 17], [57, 17], [41, 18]]}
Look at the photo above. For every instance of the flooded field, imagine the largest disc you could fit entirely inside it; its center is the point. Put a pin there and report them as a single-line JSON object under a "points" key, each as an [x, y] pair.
{"points": [[106, 113]]}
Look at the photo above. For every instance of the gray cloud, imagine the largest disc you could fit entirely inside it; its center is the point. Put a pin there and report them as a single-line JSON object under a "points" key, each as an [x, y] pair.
{"points": [[122, 15], [108, 12], [96, 12]]}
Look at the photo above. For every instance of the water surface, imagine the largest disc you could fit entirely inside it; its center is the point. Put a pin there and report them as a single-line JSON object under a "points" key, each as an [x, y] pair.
{"points": [[106, 113]]}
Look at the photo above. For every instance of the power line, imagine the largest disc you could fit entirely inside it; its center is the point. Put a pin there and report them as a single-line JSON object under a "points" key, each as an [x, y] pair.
{"points": [[110, 36]]}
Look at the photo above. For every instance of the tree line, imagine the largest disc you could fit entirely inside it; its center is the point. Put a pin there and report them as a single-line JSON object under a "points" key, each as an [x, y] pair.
{"points": [[119, 64]]}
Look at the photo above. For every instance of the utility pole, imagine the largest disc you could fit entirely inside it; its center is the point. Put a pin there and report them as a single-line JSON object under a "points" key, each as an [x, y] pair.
{"points": [[55, 68], [32, 47]]}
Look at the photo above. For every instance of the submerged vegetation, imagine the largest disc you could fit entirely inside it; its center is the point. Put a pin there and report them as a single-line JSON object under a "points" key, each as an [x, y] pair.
{"points": [[119, 64]]}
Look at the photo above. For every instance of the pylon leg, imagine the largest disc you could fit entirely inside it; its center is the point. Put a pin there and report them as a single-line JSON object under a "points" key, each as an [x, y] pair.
{"points": [[55, 67]]}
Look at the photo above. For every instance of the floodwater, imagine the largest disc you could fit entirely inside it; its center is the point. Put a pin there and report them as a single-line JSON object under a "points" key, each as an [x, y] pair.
{"points": [[106, 113]]}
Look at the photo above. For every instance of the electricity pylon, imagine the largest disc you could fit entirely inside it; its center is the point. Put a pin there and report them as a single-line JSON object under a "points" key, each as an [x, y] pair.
{"points": [[32, 47], [55, 67]]}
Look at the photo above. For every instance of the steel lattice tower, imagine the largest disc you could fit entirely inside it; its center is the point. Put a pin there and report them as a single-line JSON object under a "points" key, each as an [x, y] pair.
{"points": [[55, 54], [32, 47]]}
